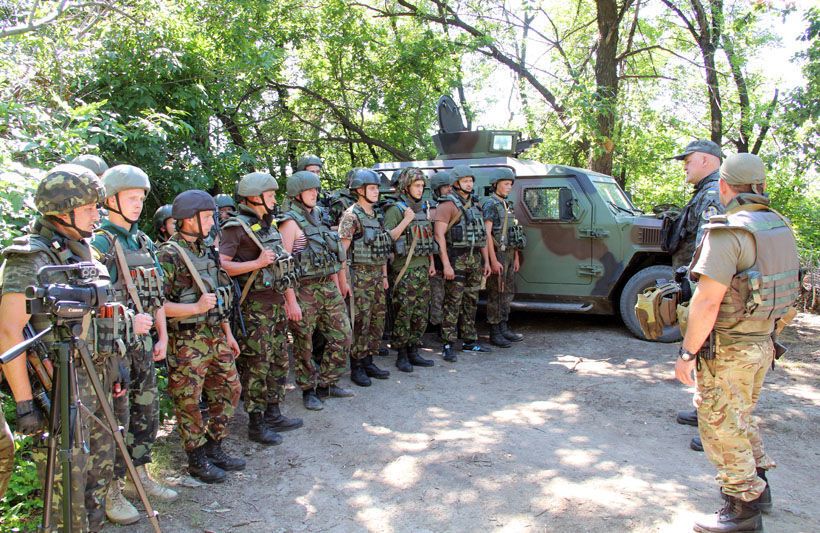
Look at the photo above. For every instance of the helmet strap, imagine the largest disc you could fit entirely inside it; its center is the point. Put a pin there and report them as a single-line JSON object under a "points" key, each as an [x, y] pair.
{"points": [[199, 234], [118, 210]]}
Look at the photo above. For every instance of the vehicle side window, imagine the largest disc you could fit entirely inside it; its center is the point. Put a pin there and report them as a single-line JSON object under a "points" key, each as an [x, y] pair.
{"points": [[543, 203]]}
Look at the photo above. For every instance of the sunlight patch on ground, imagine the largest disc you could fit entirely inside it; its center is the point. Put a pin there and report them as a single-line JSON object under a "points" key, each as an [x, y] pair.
{"points": [[401, 473]]}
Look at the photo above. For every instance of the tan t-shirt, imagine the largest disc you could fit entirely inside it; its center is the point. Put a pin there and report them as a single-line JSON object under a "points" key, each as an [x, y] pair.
{"points": [[445, 212]]}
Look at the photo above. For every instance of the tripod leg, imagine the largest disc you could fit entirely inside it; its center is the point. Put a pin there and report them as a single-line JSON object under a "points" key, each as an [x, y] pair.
{"points": [[114, 428], [48, 486]]}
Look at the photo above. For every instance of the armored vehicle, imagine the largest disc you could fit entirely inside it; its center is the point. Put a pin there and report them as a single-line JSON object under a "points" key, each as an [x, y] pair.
{"points": [[589, 249]]}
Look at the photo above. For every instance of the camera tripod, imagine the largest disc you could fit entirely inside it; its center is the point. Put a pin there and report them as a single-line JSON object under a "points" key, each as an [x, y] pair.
{"points": [[69, 352]]}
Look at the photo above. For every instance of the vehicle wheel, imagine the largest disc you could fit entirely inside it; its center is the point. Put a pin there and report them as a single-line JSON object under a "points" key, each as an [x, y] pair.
{"points": [[629, 296]]}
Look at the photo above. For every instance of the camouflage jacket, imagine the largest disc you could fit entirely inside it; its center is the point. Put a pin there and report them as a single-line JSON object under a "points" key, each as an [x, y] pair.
{"points": [[705, 202]]}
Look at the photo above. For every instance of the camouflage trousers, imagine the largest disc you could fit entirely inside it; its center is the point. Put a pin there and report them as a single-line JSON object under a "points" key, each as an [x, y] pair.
{"points": [[323, 310], [501, 289], [201, 365], [263, 364], [729, 387], [436, 298], [461, 298], [91, 472], [411, 298], [370, 308], [6, 454], [138, 410]]}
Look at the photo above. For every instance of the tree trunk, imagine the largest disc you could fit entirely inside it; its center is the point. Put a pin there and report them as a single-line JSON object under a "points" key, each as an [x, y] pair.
{"points": [[606, 79]]}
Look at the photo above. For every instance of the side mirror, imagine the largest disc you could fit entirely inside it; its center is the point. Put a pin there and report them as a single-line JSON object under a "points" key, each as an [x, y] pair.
{"points": [[568, 204]]}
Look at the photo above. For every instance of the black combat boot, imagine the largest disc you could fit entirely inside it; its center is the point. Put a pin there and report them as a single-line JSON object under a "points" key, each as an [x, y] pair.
{"points": [[689, 417], [279, 422], [384, 352], [415, 359], [448, 354], [358, 374], [201, 468], [736, 516], [764, 501], [218, 456], [402, 362], [333, 391], [471, 345], [311, 400], [510, 334], [258, 430], [696, 444], [373, 371], [497, 338]]}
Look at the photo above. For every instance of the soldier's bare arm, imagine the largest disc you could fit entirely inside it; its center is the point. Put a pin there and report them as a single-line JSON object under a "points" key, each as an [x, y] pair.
{"points": [[161, 346], [440, 229], [232, 344], [236, 268], [289, 231], [703, 311], [15, 318], [408, 217]]}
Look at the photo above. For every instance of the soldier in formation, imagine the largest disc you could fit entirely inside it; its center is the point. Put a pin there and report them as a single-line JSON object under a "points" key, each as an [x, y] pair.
{"points": [[440, 188], [747, 270], [164, 225], [136, 279]]}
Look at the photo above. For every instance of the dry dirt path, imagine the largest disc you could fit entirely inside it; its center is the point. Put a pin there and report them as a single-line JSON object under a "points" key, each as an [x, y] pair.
{"points": [[570, 431]]}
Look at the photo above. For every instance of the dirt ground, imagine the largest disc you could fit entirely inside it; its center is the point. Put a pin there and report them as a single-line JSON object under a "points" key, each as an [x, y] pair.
{"points": [[572, 430]]}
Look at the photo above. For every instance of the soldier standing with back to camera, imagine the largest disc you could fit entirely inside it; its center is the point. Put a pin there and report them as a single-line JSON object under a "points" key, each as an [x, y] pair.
{"points": [[320, 296], [462, 240], [251, 251], [747, 270], [120, 244], [504, 247], [412, 267], [67, 199], [368, 248], [202, 348], [701, 163]]}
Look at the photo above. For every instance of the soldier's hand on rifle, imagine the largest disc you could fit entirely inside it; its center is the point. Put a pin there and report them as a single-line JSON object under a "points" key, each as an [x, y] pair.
{"points": [[206, 302], [143, 323], [449, 273], [496, 266], [266, 257], [29, 418]]}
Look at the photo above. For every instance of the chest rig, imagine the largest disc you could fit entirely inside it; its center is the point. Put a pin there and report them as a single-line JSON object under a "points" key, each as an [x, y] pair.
{"points": [[468, 232], [280, 275], [507, 233], [373, 245], [420, 231], [142, 267], [323, 253]]}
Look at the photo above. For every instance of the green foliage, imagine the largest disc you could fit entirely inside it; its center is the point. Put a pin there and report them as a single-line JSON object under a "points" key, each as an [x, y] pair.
{"points": [[20, 508], [17, 201]]}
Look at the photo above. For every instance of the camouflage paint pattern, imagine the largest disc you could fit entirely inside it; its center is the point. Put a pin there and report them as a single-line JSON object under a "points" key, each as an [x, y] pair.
{"points": [[200, 364], [461, 298], [411, 299], [6, 454], [436, 298], [729, 388], [501, 289], [263, 364], [370, 306], [323, 310]]}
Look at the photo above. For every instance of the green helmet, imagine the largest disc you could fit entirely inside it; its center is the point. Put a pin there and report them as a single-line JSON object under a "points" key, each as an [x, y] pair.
{"points": [[359, 177], [301, 181], [502, 174], [223, 200], [123, 177], [307, 160], [67, 187], [94, 163], [408, 176], [187, 204], [439, 180], [461, 171], [255, 183], [161, 215]]}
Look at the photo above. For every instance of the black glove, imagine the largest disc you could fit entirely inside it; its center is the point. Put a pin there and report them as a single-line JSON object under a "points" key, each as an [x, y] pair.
{"points": [[123, 374], [29, 418]]}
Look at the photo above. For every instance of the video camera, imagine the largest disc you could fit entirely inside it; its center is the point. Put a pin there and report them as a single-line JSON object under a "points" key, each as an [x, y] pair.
{"points": [[83, 292]]}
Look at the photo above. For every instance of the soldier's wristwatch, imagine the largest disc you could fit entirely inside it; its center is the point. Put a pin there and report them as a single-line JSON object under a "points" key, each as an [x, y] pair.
{"points": [[686, 356]]}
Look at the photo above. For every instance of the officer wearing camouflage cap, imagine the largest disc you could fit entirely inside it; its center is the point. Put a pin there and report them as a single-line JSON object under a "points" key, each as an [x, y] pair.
{"points": [[136, 279], [747, 270], [251, 251], [202, 348], [67, 199]]}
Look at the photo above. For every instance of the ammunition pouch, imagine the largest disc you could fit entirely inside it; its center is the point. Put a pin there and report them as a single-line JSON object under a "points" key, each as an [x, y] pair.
{"points": [[112, 329], [656, 308], [516, 237]]}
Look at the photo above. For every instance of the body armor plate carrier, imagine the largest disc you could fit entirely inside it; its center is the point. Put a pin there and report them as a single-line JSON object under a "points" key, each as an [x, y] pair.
{"points": [[420, 230], [373, 245], [145, 274], [509, 234], [323, 253], [468, 232]]}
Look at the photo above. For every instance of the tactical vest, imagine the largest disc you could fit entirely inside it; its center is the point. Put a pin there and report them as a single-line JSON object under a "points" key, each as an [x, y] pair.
{"points": [[468, 232], [420, 229], [280, 275], [215, 280], [323, 253], [338, 204], [509, 234], [110, 327], [373, 246], [765, 291], [145, 274]]}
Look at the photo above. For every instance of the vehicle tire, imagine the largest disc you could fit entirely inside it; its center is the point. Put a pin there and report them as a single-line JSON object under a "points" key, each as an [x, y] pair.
{"points": [[629, 296]]}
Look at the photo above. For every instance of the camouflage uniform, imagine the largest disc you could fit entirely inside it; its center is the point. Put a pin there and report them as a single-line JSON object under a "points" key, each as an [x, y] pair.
{"points": [[746, 244], [705, 202], [200, 362], [501, 288], [339, 202], [138, 410], [436, 297]]}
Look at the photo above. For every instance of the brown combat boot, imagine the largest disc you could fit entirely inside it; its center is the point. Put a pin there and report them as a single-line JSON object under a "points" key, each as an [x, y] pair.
{"points": [[736, 516]]}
